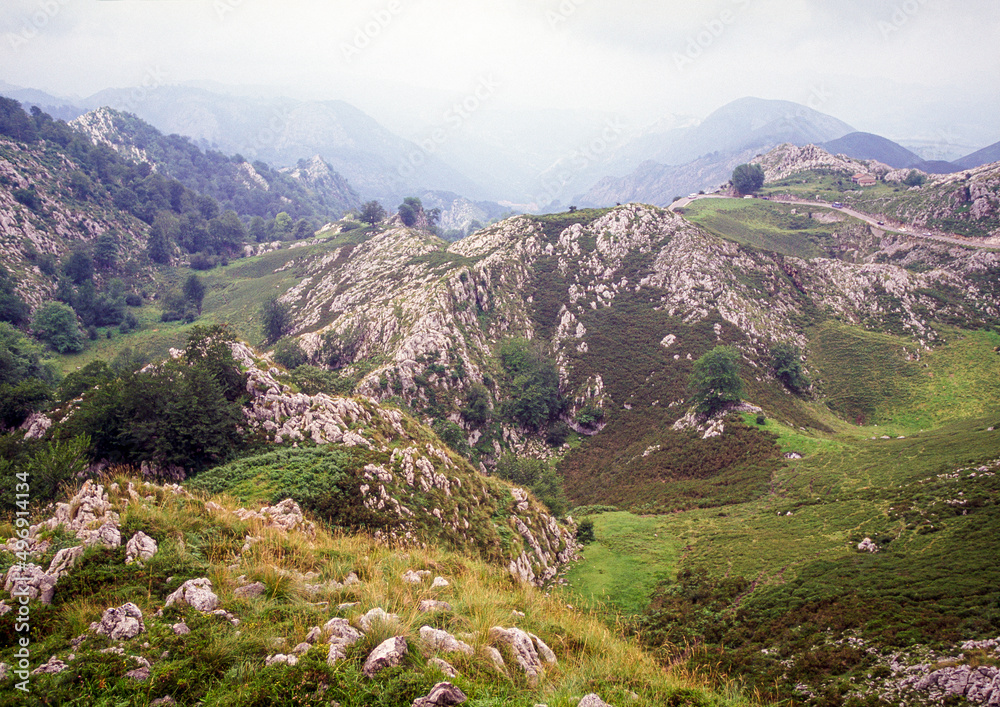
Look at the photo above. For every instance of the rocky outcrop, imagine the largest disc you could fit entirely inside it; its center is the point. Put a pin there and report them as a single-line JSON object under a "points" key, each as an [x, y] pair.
{"points": [[439, 641], [387, 654], [140, 548], [120, 623], [528, 651], [196, 593], [444, 694], [30, 580]]}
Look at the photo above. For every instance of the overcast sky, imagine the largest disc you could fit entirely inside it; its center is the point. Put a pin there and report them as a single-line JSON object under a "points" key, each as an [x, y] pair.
{"points": [[868, 62]]}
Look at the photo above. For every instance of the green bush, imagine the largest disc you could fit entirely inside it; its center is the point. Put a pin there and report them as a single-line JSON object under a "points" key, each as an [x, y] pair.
{"points": [[55, 324], [715, 380], [289, 354]]}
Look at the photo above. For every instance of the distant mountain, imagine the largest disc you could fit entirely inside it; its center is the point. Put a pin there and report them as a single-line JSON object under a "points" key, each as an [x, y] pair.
{"points": [[282, 131], [866, 146], [59, 108], [688, 159], [987, 155]]}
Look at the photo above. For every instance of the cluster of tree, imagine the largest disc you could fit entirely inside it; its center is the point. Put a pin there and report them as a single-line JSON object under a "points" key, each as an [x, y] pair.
{"points": [[183, 413], [184, 303], [532, 384], [715, 380], [13, 309], [26, 382]]}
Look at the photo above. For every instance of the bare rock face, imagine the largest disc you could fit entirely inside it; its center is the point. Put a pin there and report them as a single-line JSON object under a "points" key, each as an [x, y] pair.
{"points": [[438, 641], [120, 623], [140, 548], [32, 581], [444, 694], [525, 649], [387, 654], [196, 593]]}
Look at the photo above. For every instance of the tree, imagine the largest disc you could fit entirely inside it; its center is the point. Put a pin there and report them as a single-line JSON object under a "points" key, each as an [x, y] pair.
{"points": [[786, 364], [289, 354], [13, 309], [283, 224], [275, 319], [55, 324], [79, 266], [162, 235], [410, 211], [106, 251], [914, 179], [532, 383], [372, 213], [715, 381], [226, 232], [748, 178], [194, 291], [14, 122]]}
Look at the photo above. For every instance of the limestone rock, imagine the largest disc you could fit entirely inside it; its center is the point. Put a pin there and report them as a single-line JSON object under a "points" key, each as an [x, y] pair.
{"points": [[250, 591], [387, 654], [495, 658], [32, 581], [181, 629], [439, 582], [139, 674], [280, 659], [444, 666], [120, 623], [341, 636], [140, 548], [301, 648], [286, 516], [592, 700], [377, 615], [415, 576], [438, 641], [432, 605], [523, 648], [65, 560], [444, 694], [54, 665], [196, 593], [867, 545]]}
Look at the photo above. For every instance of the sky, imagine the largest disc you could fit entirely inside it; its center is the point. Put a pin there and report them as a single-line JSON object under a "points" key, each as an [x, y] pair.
{"points": [[926, 68]]}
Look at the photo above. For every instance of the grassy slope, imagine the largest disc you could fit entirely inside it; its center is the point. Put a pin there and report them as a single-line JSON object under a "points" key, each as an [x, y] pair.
{"points": [[764, 225], [217, 664]]}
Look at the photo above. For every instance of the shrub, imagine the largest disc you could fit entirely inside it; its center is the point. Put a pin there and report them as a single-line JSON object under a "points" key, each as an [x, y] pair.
{"points": [[715, 380], [289, 354], [55, 324], [585, 531]]}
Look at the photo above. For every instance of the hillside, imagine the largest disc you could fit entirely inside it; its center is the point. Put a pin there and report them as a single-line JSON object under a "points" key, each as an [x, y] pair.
{"points": [[986, 155], [187, 599], [865, 146], [312, 190]]}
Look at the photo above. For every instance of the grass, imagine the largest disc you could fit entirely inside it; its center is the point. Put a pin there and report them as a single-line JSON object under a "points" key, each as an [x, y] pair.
{"points": [[630, 557], [220, 664], [766, 226]]}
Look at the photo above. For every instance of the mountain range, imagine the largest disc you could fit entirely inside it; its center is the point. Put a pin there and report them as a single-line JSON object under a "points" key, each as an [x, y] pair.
{"points": [[546, 161]]}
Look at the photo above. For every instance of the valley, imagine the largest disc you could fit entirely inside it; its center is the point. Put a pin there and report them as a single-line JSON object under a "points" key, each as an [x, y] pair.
{"points": [[467, 408]]}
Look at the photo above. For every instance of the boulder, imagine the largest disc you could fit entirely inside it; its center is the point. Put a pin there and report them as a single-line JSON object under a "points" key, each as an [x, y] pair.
{"points": [[444, 666], [431, 605], [438, 641], [439, 582], [181, 629], [377, 615], [30, 580], [415, 576], [65, 560], [592, 700], [250, 591], [120, 623], [496, 660], [139, 674], [54, 665], [280, 659], [523, 648], [444, 694], [341, 636], [196, 593], [140, 548], [388, 654]]}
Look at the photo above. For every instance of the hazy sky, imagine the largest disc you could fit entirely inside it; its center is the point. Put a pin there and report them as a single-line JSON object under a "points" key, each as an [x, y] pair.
{"points": [[868, 62]]}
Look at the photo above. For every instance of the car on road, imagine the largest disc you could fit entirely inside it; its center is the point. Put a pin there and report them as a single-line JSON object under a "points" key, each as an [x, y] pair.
{"points": [[838, 205]]}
